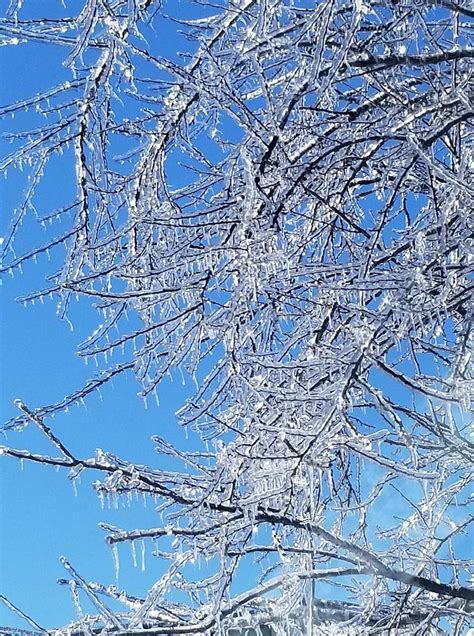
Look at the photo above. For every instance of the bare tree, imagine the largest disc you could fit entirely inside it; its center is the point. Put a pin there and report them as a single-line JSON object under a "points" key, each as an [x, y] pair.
{"points": [[285, 214]]}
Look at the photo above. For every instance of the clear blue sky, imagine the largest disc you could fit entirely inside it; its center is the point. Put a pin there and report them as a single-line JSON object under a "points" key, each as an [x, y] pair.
{"points": [[41, 518]]}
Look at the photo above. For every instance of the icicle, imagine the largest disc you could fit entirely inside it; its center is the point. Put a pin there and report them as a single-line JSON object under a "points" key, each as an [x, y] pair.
{"points": [[143, 555], [134, 554], [115, 558]]}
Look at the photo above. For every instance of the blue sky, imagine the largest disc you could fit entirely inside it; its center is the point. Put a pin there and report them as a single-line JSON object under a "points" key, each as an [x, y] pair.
{"points": [[41, 518]]}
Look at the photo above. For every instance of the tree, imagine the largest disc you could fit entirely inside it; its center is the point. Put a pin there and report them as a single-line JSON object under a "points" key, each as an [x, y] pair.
{"points": [[284, 216]]}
